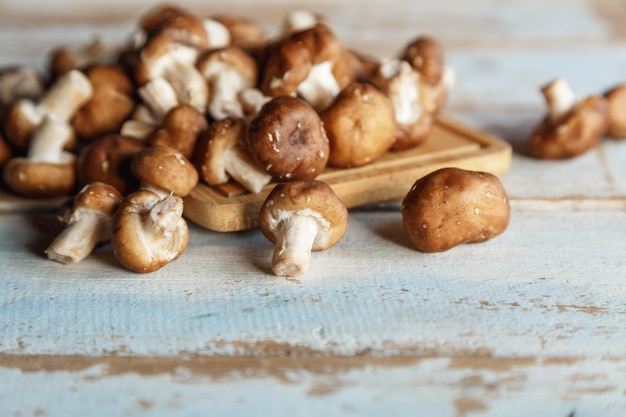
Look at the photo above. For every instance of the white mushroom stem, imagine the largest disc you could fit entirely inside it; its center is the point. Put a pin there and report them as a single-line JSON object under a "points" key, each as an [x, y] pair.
{"points": [[137, 129], [86, 229], [402, 87], [243, 169], [320, 87], [48, 140], [294, 240], [189, 85], [159, 95], [226, 84], [560, 99], [252, 99], [217, 34], [165, 216], [66, 96]]}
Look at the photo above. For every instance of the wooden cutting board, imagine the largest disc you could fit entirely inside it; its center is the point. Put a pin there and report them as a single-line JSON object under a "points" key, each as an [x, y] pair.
{"points": [[229, 207]]}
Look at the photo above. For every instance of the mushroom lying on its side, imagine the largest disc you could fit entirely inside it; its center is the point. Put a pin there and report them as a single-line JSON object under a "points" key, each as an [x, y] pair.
{"points": [[452, 206], [220, 155], [572, 126], [148, 231], [300, 216], [47, 170], [88, 223]]}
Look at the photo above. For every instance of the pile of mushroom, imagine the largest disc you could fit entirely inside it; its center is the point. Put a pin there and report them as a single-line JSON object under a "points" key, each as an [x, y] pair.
{"points": [[191, 99]]}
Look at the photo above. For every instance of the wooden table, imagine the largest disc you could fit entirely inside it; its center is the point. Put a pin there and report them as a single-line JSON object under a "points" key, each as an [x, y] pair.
{"points": [[531, 323]]}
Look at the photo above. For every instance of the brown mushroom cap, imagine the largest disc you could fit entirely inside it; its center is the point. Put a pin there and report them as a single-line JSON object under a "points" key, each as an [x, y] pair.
{"points": [[616, 98], [39, 179], [288, 139], [88, 222], [452, 206], [578, 131], [110, 105], [290, 59], [180, 129], [425, 54], [5, 150], [148, 231], [213, 144], [107, 160], [360, 124], [308, 198], [245, 33], [184, 26], [166, 169]]}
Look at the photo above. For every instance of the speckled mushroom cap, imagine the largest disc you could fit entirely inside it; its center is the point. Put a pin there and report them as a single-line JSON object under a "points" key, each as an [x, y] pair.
{"points": [[580, 130], [287, 138], [289, 60], [616, 98], [107, 159], [212, 144], [305, 198], [426, 56], [360, 124], [99, 197], [452, 206], [166, 169], [180, 129]]}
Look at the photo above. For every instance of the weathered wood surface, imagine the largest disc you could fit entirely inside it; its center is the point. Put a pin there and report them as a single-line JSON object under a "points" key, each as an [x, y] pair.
{"points": [[530, 323]]}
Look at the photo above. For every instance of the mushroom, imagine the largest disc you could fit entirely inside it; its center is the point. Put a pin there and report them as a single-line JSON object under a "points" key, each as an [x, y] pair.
{"points": [[64, 59], [302, 63], [62, 99], [47, 170], [148, 231], [110, 105], [158, 97], [220, 155], [184, 26], [164, 170], [107, 159], [298, 217], [19, 83], [616, 98], [572, 126], [88, 223], [287, 138], [180, 130], [360, 124], [414, 117], [228, 71], [452, 206], [244, 33], [426, 56], [164, 57]]}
